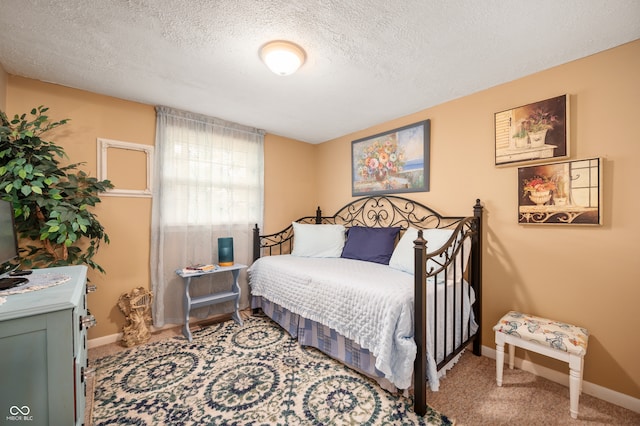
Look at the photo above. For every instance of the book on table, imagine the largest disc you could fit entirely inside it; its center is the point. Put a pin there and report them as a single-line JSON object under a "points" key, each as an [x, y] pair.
{"points": [[199, 268]]}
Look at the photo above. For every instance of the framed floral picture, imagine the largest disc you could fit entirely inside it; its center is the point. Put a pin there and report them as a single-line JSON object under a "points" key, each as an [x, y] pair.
{"points": [[533, 133], [568, 192], [392, 162]]}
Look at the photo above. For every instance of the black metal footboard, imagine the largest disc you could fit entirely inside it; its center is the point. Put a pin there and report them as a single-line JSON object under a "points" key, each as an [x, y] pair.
{"points": [[447, 267]]}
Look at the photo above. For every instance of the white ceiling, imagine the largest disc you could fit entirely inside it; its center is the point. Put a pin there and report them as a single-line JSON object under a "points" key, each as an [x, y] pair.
{"points": [[368, 61]]}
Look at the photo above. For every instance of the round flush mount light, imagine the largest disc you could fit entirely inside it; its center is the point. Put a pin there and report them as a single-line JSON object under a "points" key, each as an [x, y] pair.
{"points": [[282, 57]]}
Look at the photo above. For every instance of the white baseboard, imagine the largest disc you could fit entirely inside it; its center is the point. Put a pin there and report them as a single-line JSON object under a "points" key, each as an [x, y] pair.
{"points": [[114, 338], [104, 340], [592, 389]]}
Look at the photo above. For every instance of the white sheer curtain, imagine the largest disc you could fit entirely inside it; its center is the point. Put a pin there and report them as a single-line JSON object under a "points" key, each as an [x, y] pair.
{"points": [[208, 184]]}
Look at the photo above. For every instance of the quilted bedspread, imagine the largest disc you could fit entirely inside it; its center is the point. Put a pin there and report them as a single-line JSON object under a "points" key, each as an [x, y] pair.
{"points": [[375, 309]]}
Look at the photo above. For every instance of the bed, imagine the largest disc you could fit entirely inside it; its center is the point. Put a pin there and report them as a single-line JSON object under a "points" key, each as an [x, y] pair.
{"points": [[399, 261]]}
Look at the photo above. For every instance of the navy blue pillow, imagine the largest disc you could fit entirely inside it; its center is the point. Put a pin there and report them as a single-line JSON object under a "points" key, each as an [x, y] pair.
{"points": [[370, 244]]}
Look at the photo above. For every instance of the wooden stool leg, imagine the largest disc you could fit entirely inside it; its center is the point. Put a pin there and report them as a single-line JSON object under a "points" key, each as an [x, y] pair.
{"points": [[575, 383], [512, 355], [581, 372], [499, 357]]}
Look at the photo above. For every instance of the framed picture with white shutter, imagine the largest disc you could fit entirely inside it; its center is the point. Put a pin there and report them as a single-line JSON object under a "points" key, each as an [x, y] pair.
{"points": [[535, 132], [562, 193]]}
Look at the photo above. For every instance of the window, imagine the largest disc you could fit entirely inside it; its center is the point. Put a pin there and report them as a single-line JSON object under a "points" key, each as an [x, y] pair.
{"points": [[208, 184], [212, 179]]}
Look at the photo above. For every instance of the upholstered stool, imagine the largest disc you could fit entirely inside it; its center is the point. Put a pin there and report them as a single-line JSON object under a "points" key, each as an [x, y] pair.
{"points": [[555, 339]]}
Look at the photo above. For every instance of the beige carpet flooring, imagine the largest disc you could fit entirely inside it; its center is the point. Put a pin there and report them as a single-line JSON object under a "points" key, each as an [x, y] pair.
{"points": [[469, 396]]}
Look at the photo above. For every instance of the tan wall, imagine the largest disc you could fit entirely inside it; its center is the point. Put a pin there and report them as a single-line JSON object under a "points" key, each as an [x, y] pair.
{"points": [[583, 275], [3, 88], [126, 220], [289, 183]]}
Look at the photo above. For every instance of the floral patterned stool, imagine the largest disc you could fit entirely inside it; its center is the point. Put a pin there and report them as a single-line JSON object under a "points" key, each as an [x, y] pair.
{"points": [[555, 339]]}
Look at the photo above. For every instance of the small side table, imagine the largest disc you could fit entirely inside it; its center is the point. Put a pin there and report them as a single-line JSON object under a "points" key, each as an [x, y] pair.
{"points": [[210, 299]]}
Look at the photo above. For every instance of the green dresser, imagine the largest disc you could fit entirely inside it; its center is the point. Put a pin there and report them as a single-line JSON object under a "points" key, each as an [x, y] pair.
{"points": [[43, 350]]}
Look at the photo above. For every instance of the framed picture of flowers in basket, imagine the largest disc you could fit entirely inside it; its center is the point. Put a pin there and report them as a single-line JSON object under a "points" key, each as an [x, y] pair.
{"points": [[568, 192], [533, 133], [392, 162]]}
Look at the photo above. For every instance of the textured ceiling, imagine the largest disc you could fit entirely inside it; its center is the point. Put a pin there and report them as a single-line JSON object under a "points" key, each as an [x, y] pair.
{"points": [[367, 61]]}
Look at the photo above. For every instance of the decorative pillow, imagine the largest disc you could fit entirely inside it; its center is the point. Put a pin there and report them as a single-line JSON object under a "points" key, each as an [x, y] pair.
{"points": [[317, 240], [466, 247], [370, 244], [403, 255]]}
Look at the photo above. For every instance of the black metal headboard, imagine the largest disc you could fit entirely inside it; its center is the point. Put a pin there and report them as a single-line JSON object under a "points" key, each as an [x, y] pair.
{"points": [[371, 212]]}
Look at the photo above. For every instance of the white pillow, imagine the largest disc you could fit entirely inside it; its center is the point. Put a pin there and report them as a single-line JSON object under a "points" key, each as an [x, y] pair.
{"points": [[317, 240], [466, 247], [403, 255]]}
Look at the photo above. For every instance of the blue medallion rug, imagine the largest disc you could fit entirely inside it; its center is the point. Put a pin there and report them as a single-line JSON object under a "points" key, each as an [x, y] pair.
{"points": [[254, 374]]}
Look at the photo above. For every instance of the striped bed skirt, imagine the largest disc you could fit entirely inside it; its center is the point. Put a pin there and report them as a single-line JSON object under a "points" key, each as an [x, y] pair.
{"points": [[323, 338]]}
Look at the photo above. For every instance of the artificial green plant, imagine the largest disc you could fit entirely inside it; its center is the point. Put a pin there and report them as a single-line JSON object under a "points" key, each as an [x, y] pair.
{"points": [[51, 201]]}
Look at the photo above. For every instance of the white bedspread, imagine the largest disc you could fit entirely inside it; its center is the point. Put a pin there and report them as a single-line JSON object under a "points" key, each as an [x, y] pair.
{"points": [[369, 303]]}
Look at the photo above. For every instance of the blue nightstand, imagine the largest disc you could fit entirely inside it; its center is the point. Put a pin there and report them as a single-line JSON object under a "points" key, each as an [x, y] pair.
{"points": [[210, 299]]}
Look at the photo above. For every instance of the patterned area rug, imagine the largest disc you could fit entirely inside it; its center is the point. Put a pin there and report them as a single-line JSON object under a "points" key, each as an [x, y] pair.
{"points": [[254, 374]]}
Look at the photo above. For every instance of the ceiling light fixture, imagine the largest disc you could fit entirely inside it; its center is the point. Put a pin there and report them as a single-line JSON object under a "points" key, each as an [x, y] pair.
{"points": [[282, 57]]}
